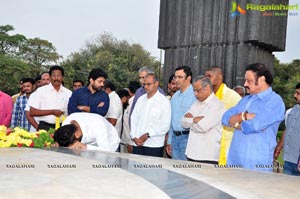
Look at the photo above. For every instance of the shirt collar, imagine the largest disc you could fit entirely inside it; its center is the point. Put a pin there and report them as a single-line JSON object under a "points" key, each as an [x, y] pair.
{"points": [[50, 87], [209, 98], [188, 90], [263, 94]]}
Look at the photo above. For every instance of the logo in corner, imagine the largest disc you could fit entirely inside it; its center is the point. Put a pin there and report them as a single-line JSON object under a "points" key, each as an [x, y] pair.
{"points": [[236, 10]]}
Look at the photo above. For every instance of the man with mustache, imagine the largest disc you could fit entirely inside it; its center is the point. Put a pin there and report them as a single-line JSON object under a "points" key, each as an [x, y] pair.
{"points": [[290, 140], [256, 119], [91, 98], [50, 102]]}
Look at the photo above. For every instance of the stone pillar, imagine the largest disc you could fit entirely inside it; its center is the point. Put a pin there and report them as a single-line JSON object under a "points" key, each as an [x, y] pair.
{"points": [[202, 33]]}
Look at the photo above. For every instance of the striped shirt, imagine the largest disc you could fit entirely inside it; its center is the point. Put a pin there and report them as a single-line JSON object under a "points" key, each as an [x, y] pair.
{"points": [[19, 114]]}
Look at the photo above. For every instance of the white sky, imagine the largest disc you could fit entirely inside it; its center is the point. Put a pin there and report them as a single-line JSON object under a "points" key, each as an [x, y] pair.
{"points": [[68, 24]]}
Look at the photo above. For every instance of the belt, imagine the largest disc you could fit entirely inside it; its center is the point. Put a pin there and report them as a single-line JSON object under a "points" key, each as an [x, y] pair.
{"points": [[178, 133]]}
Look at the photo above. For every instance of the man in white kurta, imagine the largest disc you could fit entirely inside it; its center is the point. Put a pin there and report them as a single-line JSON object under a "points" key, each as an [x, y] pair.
{"points": [[204, 120], [95, 132], [150, 120], [115, 110]]}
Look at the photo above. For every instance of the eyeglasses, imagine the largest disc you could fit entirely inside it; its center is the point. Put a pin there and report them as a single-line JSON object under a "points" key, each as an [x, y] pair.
{"points": [[179, 77], [198, 90], [148, 84]]}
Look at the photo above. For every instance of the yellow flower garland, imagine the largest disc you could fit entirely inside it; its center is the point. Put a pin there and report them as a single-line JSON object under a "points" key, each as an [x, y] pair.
{"points": [[20, 137]]}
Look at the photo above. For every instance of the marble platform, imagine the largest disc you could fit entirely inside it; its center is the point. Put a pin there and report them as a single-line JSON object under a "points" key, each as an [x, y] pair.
{"points": [[63, 173]]}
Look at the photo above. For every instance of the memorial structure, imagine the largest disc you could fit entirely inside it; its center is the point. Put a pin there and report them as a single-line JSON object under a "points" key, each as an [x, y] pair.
{"points": [[230, 34]]}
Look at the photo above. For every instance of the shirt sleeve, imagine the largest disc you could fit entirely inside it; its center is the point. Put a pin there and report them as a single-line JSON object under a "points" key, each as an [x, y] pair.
{"points": [[266, 117], [134, 120], [73, 103], [101, 110], [211, 119], [15, 113], [187, 122]]}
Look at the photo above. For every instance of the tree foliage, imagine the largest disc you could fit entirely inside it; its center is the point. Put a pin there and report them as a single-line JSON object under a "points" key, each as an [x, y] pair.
{"points": [[119, 59], [12, 70], [10, 44], [22, 57], [285, 80], [39, 52]]}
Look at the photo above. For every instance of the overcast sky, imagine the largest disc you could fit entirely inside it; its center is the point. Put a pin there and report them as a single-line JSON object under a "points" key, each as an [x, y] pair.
{"points": [[68, 24]]}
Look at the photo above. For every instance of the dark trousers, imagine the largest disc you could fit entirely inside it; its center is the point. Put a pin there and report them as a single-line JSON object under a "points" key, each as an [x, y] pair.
{"points": [[45, 126], [149, 151], [203, 161]]}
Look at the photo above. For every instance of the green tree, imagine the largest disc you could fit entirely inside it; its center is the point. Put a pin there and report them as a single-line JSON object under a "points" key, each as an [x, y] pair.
{"points": [[285, 79], [12, 70], [39, 52], [119, 59], [10, 44]]}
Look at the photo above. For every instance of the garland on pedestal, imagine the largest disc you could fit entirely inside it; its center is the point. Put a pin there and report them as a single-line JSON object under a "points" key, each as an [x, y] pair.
{"points": [[18, 137]]}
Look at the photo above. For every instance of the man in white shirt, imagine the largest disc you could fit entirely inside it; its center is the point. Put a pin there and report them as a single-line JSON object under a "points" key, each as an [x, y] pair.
{"points": [[150, 119], [50, 102], [87, 131], [204, 120], [115, 110]]}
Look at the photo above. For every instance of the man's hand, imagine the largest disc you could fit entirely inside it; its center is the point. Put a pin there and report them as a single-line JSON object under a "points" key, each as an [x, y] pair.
{"points": [[197, 119], [55, 145], [276, 153], [77, 145], [250, 116], [188, 115], [144, 137], [138, 141], [235, 119], [101, 104], [129, 148], [84, 108], [57, 112], [169, 149]]}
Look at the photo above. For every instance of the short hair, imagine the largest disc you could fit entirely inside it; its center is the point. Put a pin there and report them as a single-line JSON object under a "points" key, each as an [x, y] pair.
{"points": [[171, 78], [123, 93], [65, 135], [28, 80], [37, 78], [44, 73], [146, 69], [96, 73], [133, 86], [298, 86], [187, 70], [261, 70], [56, 67], [241, 87], [204, 81], [152, 75], [216, 69], [109, 84], [78, 80]]}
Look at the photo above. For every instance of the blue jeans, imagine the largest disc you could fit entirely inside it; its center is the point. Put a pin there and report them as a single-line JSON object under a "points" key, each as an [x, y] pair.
{"points": [[290, 168], [178, 146]]}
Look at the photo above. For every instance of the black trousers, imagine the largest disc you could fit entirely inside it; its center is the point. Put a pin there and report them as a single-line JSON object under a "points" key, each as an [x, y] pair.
{"points": [[203, 161], [45, 125], [149, 151]]}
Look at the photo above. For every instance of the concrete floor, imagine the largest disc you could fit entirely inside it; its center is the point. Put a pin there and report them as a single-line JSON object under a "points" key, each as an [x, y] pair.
{"points": [[64, 173]]}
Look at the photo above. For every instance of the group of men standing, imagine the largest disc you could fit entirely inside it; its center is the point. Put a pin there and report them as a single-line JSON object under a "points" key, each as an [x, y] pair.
{"points": [[204, 121]]}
